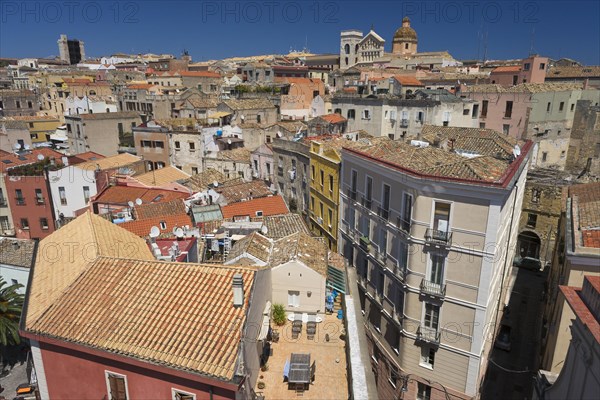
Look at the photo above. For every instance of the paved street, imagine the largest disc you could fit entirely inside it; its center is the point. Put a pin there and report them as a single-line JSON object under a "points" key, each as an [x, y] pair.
{"points": [[510, 374], [14, 361]]}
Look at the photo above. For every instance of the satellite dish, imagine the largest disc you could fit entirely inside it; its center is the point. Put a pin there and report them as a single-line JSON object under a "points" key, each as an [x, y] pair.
{"points": [[228, 141], [27, 147], [516, 151], [215, 183], [154, 232], [279, 134], [138, 201], [40, 157], [179, 232], [17, 146], [130, 203], [264, 229]]}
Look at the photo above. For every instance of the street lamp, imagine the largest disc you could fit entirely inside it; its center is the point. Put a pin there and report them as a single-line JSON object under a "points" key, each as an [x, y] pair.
{"points": [[406, 379]]}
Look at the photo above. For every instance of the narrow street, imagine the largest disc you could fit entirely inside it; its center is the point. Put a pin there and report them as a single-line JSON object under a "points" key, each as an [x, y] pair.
{"points": [[510, 374]]}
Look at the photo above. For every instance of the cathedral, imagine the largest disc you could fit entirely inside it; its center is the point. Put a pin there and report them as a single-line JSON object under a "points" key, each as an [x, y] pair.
{"points": [[359, 50]]}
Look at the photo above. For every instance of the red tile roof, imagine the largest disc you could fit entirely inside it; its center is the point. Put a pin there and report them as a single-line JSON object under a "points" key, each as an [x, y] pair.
{"points": [[124, 194], [11, 160], [408, 80], [273, 205], [142, 227], [140, 86], [508, 68], [333, 118], [580, 308], [83, 157]]}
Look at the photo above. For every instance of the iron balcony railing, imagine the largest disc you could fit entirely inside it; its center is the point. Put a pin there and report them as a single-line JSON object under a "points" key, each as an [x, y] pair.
{"points": [[437, 236], [403, 224], [2, 201], [352, 194], [366, 202], [20, 201], [383, 213], [433, 289], [428, 334]]}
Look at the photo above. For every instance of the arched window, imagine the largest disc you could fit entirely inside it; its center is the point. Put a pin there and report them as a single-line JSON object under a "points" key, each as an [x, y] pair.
{"points": [[347, 48]]}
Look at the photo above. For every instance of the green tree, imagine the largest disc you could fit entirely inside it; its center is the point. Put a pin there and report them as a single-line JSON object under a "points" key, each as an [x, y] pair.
{"points": [[279, 316], [11, 304]]}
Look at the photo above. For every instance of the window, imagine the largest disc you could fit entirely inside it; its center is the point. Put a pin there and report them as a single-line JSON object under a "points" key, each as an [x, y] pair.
{"points": [[163, 225], [548, 107], [406, 212], [563, 154], [572, 106], [394, 375], [432, 316], [24, 224], [39, 197], [561, 106], [321, 209], [177, 146], [322, 178], [116, 385], [268, 140], [312, 203], [482, 125], [526, 66], [159, 145], [44, 223], [86, 194], [531, 220], [192, 146], [351, 114], [63, 196], [515, 79], [18, 103], [436, 275], [331, 183], [542, 65], [508, 109], [535, 195], [181, 395], [19, 197], [423, 391], [484, 108], [293, 298], [29, 104], [427, 357], [330, 215], [146, 143], [506, 129], [259, 213], [544, 156], [475, 112], [466, 111], [366, 114], [391, 136], [194, 170], [120, 128]]}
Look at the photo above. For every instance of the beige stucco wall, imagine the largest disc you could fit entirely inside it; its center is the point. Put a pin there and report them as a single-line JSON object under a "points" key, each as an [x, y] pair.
{"points": [[296, 276]]}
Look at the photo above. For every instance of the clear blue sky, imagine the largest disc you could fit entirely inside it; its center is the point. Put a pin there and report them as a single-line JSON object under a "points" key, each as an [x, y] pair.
{"points": [[219, 29]]}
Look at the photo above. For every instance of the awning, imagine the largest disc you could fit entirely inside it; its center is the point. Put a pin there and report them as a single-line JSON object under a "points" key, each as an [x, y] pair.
{"points": [[264, 330], [219, 114]]}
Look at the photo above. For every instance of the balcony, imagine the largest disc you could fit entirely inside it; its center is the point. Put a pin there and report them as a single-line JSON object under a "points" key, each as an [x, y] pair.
{"points": [[362, 282], [2, 202], [395, 268], [434, 236], [383, 213], [428, 335], [365, 243], [366, 202], [429, 288], [351, 194], [403, 224]]}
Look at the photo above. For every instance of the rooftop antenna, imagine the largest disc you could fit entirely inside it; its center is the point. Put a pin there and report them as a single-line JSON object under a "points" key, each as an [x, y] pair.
{"points": [[485, 36]]}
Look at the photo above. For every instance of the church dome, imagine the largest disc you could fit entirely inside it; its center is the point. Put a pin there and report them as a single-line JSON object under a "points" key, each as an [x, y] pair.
{"points": [[405, 32]]}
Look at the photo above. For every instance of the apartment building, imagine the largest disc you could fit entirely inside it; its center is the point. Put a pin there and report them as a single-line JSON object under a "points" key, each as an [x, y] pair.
{"points": [[18, 102], [396, 117], [152, 143], [290, 155], [431, 231], [325, 164], [100, 133]]}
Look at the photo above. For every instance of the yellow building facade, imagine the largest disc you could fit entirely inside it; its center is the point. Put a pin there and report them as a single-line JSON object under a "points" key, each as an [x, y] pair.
{"points": [[325, 164]]}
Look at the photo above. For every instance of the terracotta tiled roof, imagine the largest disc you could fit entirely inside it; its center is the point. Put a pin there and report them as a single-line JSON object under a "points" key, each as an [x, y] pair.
{"points": [[241, 154], [508, 68], [64, 255], [272, 205], [432, 161], [575, 299], [525, 88], [333, 118], [162, 176], [137, 86], [124, 194], [279, 226], [165, 223], [118, 161], [239, 190], [18, 252], [12, 160], [407, 80], [302, 247], [110, 115], [156, 210], [201, 181], [84, 157], [178, 315], [249, 104], [586, 210], [200, 102], [590, 71], [200, 74], [254, 245]]}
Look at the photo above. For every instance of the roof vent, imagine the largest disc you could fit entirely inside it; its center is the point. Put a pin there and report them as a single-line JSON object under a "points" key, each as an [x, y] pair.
{"points": [[238, 290]]}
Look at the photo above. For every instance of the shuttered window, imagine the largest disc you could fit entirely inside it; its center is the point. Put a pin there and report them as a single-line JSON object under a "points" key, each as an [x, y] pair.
{"points": [[117, 386]]}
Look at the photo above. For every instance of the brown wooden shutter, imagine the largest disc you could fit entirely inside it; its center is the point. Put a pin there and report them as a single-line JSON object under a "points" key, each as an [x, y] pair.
{"points": [[117, 387]]}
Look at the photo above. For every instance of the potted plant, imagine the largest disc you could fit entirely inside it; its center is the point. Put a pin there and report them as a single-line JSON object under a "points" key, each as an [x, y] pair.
{"points": [[279, 316], [264, 368], [261, 385]]}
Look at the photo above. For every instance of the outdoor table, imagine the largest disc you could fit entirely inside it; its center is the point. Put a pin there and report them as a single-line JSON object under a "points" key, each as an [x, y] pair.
{"points": [[299, 373]]}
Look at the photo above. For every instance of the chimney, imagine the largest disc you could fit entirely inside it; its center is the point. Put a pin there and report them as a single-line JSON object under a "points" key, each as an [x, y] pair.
{"points": [[238, 290]]}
